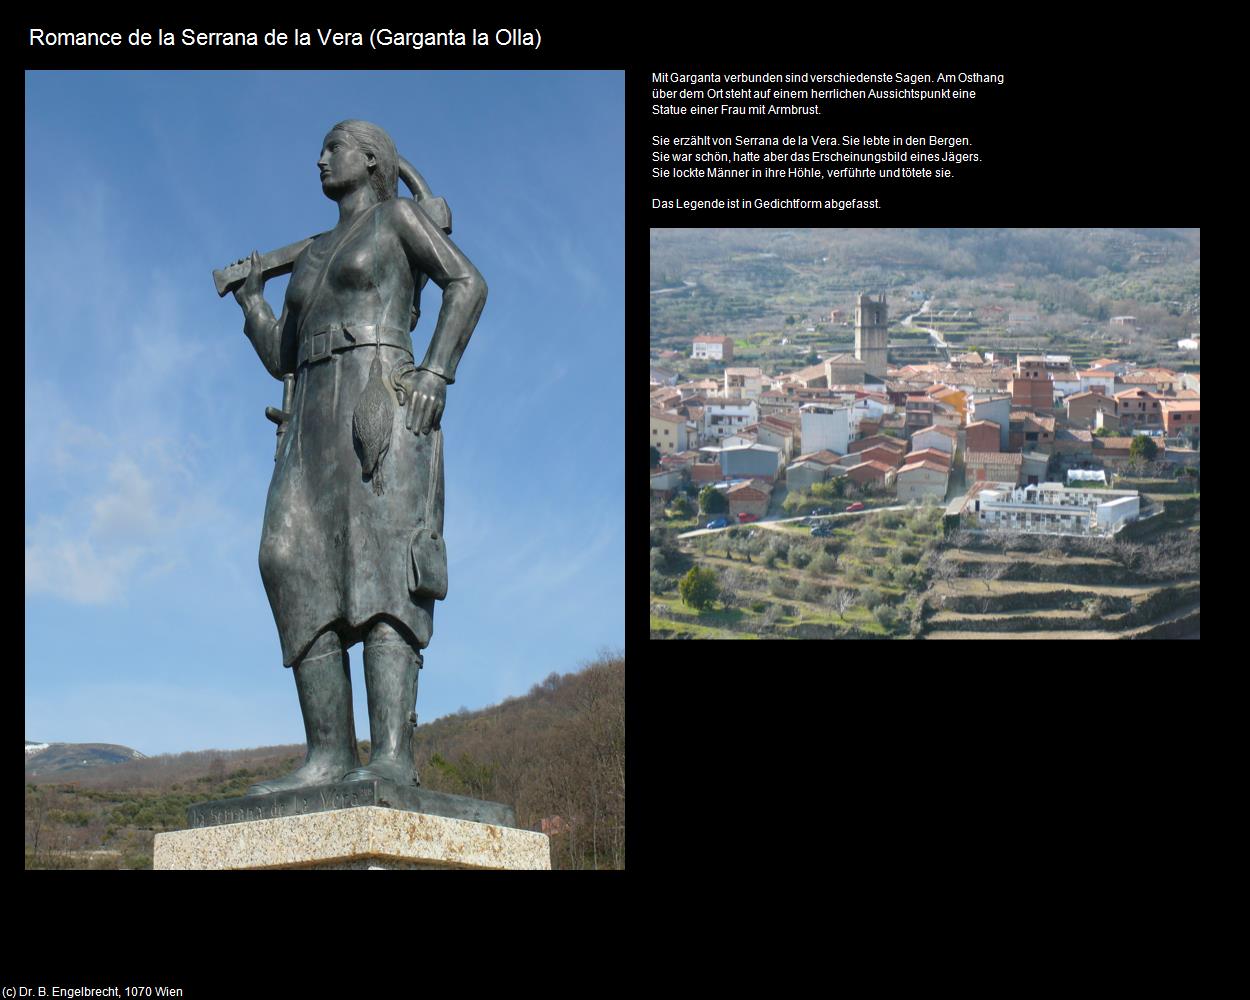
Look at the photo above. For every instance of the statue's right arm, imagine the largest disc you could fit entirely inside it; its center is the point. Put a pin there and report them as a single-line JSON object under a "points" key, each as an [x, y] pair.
{"points": [[264, 331]]}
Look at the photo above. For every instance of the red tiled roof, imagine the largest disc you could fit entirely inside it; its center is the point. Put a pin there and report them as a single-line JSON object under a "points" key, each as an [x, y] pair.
{"points": [[879, 466], [669, 418], [932, 466], [928, 454], [804, 374], [978, 458], [877, 439], [824, 457], [757, 485]]}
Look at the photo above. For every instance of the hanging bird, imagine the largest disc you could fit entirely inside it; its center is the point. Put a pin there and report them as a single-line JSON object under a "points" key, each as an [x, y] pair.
{"points": [[371, 424]]}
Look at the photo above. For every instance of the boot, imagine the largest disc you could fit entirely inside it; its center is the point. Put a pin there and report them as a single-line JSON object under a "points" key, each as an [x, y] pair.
{"points": [[324, 683], [391, 679]]}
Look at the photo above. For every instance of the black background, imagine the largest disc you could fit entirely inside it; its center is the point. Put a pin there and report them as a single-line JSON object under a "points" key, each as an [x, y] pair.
{"points": [[890, 760]]}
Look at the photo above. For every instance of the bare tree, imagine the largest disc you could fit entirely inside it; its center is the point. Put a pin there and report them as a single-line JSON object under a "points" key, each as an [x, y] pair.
{"points": [[963, 538], [999, 538], [944, 568], [842, 601], [988, 572]]}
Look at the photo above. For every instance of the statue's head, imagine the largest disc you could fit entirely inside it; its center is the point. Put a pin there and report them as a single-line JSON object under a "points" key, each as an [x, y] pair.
{"points": [[375, 142]]}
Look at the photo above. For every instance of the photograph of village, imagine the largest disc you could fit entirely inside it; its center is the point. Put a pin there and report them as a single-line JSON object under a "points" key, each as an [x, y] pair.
{"points": [[925, 433]]}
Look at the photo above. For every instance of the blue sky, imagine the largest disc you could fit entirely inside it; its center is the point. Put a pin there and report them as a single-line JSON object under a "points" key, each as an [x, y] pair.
{"points": [[148, 455]]}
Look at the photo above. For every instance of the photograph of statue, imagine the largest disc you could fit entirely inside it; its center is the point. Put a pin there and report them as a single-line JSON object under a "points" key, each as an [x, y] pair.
{"points": [[351, 216], [352, 548]]}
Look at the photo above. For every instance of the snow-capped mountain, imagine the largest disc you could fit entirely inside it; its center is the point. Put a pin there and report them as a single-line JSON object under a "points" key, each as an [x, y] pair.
{"points": [[42, 758]]}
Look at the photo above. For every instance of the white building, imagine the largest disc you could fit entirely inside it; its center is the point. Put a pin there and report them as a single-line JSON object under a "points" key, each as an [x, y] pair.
{"points": [[1115, 513], [722, 418], [1190, 344], [868, 408], [1052, 508], [1102, 377], [825, 428], [713, 348], [937, 438], [1065, 383]]}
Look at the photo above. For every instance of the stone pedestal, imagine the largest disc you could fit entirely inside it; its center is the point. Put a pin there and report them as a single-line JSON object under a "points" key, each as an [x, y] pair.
{"points": [[370, 837]]}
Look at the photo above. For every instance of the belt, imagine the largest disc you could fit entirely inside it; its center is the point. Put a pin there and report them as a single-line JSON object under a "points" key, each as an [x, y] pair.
{"points": [[322, 345]]}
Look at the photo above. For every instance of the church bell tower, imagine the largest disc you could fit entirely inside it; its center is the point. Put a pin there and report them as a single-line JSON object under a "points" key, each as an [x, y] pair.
{"points": [[871, 337]]}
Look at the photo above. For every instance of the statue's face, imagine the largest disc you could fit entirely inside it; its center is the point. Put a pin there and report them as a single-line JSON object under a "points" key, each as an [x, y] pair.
{"points": [[343, 164]]}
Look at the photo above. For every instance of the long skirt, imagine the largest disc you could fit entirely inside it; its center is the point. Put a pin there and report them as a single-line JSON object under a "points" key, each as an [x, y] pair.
{"points": [[334, 552]]}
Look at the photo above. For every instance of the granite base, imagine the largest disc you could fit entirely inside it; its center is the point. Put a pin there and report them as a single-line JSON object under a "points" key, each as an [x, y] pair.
{"points": [[370, 837]]}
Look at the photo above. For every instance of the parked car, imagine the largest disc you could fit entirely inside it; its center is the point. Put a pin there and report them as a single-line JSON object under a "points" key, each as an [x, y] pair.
{"points": [[823, 510], [720, 522], [855, 506], [745, 518]]}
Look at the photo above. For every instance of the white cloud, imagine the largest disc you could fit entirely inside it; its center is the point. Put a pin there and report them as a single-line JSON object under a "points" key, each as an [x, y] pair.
{"points": [[130, 520], [114, 492], [73, 569]]}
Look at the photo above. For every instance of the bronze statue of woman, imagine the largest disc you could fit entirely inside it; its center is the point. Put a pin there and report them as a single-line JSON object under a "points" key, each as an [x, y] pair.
{"points": [[352, 547]]}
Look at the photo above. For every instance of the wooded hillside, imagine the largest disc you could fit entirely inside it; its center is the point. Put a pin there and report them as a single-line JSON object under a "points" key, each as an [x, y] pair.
{"points": [[556, 755]]}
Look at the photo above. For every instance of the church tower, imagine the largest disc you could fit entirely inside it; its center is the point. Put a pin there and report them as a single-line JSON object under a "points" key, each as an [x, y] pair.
{"points": [[870, 333]]}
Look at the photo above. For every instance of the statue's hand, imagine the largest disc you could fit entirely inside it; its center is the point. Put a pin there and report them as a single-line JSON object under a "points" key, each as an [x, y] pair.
{"points": [[253, 288], [424, 394]]}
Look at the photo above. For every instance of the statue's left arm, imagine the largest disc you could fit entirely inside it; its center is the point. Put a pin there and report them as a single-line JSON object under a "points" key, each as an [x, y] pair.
{"points": [[464, 294]]}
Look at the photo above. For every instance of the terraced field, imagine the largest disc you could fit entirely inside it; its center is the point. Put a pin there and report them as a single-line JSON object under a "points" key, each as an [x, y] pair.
{"points": [[1069, 604], [1186, 616], [980, 587], [907, 580]]}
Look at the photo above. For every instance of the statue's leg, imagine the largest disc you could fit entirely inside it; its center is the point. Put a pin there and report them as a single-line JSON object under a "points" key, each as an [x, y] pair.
{"points": [[391, 665], [324, 683]]}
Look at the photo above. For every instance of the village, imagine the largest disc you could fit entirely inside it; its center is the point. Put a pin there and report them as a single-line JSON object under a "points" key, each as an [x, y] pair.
{"points": [[941, 432], [1028, 444]]}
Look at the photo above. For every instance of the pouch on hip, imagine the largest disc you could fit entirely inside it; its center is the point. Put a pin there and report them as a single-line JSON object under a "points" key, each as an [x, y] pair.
{"points": [[427, 564]]}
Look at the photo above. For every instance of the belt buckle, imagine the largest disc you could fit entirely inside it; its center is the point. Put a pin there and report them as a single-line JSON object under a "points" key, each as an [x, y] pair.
{"points": [[319, 347]]}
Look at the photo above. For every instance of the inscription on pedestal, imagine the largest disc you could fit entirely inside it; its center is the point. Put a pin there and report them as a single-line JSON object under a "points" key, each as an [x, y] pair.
{"points": [[350, 795]]}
